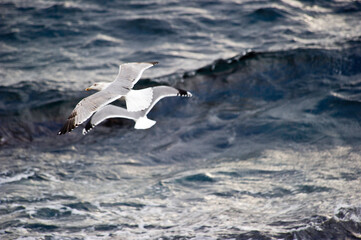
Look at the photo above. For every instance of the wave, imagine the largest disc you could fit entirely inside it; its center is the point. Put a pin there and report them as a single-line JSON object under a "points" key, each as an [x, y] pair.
{"points": [[15, 178], [346, 223], [249, 82]]}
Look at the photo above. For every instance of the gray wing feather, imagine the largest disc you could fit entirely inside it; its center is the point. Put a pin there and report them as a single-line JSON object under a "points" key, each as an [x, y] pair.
{"points": [[165, 91], [109, 111], [130, 73], [86, 107]]}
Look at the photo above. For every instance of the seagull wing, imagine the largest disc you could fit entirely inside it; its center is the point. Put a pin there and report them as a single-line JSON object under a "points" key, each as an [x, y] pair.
{"points": [[130, 73], [110, 111], [165, 91], [87, 106]]}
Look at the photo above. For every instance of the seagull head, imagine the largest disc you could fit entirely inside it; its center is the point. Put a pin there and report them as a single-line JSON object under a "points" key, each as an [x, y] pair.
{"points": [[98, 86]]}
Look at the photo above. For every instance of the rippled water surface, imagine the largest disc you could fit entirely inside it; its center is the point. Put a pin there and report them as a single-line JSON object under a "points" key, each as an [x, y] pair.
{"points": [[268, 147]]}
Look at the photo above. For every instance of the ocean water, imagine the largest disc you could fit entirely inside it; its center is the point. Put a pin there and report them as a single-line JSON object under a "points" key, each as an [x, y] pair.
{"points": [[268, 147]]}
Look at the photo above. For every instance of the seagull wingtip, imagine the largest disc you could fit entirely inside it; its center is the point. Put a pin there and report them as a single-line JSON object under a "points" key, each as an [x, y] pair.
{"points": [[184, 93]]}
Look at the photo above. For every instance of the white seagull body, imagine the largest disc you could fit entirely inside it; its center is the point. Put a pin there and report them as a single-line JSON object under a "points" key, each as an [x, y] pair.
{"points": [[140, 118], [129, 74]]}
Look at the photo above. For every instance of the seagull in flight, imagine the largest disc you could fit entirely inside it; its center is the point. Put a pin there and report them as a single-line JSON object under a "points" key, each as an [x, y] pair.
{"points": [[140, 117], [136, 100]]}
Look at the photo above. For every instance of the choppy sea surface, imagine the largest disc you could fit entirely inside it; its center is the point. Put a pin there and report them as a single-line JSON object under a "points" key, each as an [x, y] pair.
{"points": [[268, 147]]}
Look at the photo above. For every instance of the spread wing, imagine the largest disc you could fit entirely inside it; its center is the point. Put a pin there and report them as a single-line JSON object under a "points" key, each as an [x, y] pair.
{"points": [[165, 91], [110, 111], [86, 107], [130, 73]]}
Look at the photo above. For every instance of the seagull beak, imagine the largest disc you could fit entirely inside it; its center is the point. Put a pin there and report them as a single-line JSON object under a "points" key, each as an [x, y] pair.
{"points": [[87, 89]]}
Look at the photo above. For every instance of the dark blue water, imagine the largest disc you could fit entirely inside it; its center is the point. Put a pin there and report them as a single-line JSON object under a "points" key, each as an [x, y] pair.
{"points": [[268, 147]]}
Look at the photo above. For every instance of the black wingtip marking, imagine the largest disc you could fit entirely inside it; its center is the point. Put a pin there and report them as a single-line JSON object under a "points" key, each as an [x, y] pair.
{"points": [[154, 63], [68, 126], [183, 93], [88, 126]]}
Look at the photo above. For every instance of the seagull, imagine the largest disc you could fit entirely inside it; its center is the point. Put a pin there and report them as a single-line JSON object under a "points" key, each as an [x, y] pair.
{"points": [[140, 118], [136, 100]]}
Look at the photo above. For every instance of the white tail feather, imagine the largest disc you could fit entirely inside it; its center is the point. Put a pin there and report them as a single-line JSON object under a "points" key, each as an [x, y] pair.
{"points": [[144, 123], [138, 100]]}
